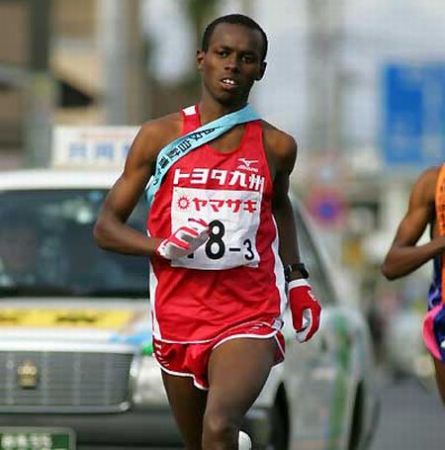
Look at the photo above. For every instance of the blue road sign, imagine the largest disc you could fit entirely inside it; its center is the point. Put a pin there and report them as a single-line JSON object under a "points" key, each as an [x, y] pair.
{"points": [[413, 128]]}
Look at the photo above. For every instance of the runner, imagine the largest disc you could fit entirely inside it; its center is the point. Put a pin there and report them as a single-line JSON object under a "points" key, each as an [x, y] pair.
{"points": [[425, 210], [218, 206]]}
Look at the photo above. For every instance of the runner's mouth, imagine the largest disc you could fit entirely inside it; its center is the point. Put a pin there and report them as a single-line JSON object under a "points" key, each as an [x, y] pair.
{"points": [[229, 83]]}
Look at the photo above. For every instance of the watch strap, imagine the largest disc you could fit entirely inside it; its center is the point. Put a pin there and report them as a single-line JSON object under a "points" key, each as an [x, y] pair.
{"points": [[296, 267]]}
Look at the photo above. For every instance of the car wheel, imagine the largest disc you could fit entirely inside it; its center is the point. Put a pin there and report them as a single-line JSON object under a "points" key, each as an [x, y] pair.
{"points": [[357, 422], [280, 428]]}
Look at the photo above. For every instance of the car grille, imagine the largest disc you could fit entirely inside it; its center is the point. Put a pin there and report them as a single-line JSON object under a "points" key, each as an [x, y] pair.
{"points": [[60, 381]]}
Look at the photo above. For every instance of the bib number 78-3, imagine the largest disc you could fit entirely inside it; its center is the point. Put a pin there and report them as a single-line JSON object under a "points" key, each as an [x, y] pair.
{"points": [[233, 218], [215, 248]]}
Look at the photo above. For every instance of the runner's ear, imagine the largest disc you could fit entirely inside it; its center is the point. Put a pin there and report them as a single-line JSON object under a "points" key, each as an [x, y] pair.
{"points": [[262, 70], [199, 58]]}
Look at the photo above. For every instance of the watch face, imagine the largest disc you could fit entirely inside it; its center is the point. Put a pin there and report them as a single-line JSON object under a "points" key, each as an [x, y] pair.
{"points": [[300, 267], [297, 267]]}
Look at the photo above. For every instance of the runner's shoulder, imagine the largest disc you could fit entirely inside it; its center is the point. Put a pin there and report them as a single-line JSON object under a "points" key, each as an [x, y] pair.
{"points": [[279, 145], [426, 183], [278, 140], [429, 176], [159, 132]]}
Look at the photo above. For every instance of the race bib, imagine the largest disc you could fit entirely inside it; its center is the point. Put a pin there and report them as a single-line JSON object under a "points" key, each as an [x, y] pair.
{"points": [[233, 217]]}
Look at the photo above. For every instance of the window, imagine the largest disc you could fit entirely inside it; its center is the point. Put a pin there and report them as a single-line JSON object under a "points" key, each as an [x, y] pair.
{"points": [[47, 245]]}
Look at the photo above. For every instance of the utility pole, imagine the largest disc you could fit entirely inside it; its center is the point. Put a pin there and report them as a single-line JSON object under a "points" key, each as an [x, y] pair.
{"points": [[40, 88], [247, 7], [121, 44], [324, 73], [325, 100]]}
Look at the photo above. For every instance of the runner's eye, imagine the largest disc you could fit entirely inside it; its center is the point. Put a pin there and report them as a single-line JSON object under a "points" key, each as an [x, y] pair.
{"points": [[249, 59]]}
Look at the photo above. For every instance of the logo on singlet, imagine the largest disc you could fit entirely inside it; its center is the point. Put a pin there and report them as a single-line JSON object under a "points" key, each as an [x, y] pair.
{"points": [[246, 164], [225, 178]]}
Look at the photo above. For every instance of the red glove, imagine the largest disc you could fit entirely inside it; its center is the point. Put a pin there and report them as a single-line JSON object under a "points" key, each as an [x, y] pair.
{"points": [[304, 308], [184, 240]]}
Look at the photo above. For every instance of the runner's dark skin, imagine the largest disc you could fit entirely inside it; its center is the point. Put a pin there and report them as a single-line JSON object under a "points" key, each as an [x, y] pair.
{"points": [[211, 419], [405, 256]]}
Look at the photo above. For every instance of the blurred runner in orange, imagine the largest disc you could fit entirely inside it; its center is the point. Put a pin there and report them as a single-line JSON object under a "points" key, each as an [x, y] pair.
{"points": [[426, 210]]}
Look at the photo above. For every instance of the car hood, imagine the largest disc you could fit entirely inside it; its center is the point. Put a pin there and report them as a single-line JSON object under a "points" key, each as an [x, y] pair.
{"points": [[67, 323]]}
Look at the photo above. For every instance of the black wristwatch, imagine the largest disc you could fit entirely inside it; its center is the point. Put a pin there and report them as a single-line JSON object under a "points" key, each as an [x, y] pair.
{"points": [[297, 267]]}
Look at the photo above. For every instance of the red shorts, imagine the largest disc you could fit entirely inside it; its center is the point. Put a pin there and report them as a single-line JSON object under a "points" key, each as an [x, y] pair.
{"points": [[191, 359]]}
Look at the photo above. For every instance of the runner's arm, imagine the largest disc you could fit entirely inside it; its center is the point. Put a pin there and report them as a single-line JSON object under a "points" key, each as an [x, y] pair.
{"points": [[285, 152], [111, 231], [404, 256], [304, 307]]}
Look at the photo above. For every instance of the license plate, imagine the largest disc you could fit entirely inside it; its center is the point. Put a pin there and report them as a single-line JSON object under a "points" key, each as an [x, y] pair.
{"points": [[30, 438]]}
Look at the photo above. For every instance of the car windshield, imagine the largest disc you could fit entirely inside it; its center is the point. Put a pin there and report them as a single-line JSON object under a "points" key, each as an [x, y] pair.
{"points": [[47, 247]]}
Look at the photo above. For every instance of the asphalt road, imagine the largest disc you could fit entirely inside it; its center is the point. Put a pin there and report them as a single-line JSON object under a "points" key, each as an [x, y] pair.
{"points": [[411, 417]]}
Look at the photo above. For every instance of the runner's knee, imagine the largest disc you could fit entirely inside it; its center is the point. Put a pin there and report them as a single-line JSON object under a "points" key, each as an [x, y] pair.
{"points": [[220, 427]]}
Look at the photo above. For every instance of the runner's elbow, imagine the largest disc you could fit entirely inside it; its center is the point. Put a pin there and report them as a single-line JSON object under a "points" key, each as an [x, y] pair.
{"points": [[388, 271], [100, 234], [388, 274]]}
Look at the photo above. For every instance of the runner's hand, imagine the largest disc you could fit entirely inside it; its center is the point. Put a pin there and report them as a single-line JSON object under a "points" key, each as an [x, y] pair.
{"points": [[305, 309], [185, 240]]}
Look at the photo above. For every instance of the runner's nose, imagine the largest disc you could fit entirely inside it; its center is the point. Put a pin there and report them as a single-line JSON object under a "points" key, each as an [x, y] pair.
{"points": [[232, 63]]}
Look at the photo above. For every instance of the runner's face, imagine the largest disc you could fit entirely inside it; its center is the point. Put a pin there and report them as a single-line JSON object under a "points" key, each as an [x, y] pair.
{"points": [[232, 63]]}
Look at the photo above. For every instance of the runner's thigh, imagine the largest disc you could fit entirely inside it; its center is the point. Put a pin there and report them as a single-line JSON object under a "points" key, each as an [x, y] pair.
{"points": [[237, 371], [440, 377]]}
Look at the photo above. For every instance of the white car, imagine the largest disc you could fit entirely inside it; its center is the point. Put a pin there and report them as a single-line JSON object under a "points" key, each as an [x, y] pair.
{"points": [[76, 365]]}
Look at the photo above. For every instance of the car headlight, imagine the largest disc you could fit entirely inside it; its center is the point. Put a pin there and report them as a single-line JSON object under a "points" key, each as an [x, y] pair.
{"points": [[146, 386]]}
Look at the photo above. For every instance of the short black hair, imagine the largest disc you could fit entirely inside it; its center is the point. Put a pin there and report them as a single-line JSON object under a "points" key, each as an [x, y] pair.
{"points": [[236, 19]]}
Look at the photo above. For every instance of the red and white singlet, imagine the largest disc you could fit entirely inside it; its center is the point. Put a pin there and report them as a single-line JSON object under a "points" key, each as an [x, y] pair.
{"points": [[236, 276]]}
